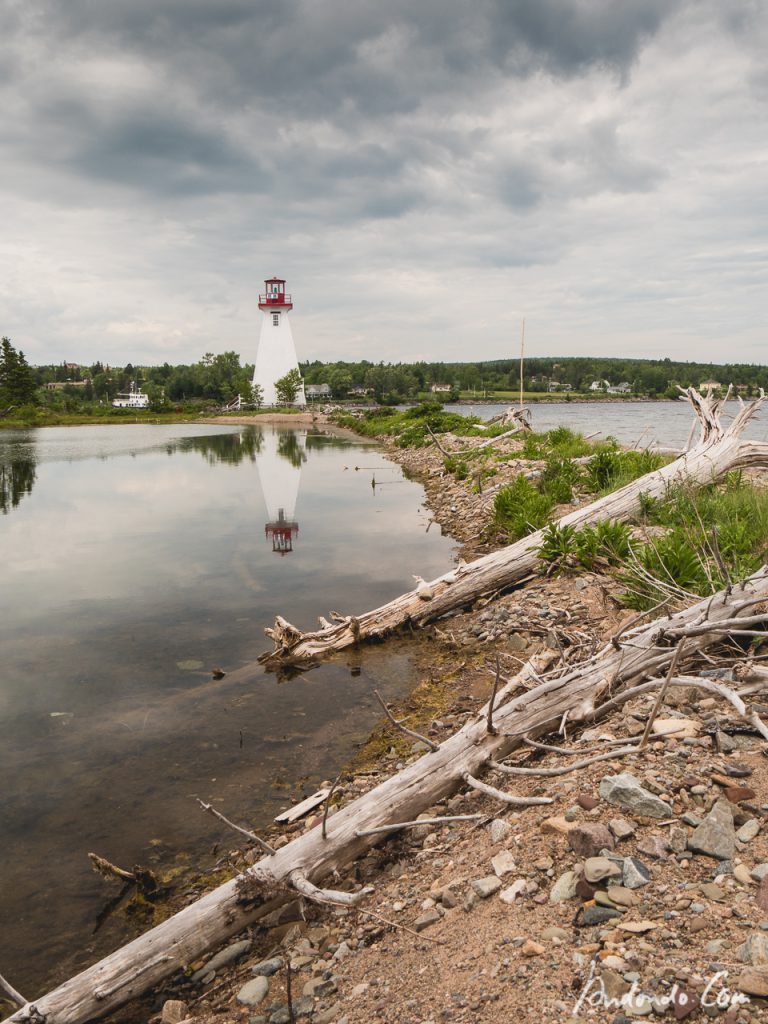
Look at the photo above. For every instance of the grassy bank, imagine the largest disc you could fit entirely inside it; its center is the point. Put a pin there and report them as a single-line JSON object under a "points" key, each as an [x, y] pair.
{"points": [[38, 416]]}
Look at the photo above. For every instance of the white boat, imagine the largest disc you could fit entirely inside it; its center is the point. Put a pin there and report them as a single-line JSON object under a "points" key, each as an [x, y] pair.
{"points": [[133, 399]]}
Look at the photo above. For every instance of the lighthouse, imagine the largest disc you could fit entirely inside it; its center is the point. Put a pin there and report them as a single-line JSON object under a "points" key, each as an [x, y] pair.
{"points": [[278, 465], [276, 354]]}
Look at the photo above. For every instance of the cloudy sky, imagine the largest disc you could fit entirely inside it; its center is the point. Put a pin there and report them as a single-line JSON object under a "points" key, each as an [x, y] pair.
{"points": [[423, 174]]}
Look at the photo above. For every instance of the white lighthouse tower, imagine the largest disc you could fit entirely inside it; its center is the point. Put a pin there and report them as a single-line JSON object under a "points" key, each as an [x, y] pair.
{"points": [[276, 354]]}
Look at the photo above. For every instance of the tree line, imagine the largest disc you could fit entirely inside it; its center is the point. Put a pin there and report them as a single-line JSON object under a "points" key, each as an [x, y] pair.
{"points": [[218, 379], [652, 377]]}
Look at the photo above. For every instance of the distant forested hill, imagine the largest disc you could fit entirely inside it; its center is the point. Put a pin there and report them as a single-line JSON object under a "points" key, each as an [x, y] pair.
{"points": [[652, 377]]}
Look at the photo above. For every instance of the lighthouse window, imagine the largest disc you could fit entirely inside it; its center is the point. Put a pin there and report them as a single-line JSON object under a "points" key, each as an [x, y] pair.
{"points": [[275, 319]]}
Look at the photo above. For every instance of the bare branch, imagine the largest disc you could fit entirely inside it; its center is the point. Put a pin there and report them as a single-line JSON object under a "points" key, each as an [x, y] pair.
{"points": [[326, 897], [243, 831], [399, 725], [328, 802], [396, 825], [507, 798], [547, 773], [492, 731], [17, 997], [660, 697]]}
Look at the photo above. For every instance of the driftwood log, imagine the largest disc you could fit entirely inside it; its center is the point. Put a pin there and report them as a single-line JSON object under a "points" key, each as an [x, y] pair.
{"points": [[719, 450], [574, 693]]}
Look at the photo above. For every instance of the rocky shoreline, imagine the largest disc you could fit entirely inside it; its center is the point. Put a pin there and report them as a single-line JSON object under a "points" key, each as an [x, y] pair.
{"points": [[639, 891]]}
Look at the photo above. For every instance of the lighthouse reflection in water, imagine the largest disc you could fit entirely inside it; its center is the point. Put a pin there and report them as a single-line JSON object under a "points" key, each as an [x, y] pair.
{"points": [[282, 455]]}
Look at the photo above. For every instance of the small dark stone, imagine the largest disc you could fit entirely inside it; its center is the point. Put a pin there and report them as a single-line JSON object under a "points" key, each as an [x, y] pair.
{"points": [[587, 802], [585, 890], [589, 839], [686, 1001], [598, 915], [738, 793], [761, 898]]}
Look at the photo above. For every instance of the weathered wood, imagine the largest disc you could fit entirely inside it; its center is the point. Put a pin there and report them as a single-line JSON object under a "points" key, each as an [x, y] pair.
{"points": [[244, 900], [718, 451]]}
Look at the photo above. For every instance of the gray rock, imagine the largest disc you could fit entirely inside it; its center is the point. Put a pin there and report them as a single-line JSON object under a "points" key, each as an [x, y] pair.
{"points": [[500, 829], [253, 992], [302, 1007], [635, 874], [677, 839], [448, 898], [174, 1011], [748, 830], [223, 958], [714, 947], [597, 868], [319, 986], [624, 790], [621, 828], [555, 933], [485, 887], [755, 950], [589, 839], [267, 968], [759, 871], [599, 915], [564, 888], [427, 920], [689, 818], [715, 836], [724, 867]]}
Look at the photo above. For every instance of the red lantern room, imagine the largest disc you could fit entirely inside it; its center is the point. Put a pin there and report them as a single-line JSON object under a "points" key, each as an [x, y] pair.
{"points": [[281, 533], [274, 296]]}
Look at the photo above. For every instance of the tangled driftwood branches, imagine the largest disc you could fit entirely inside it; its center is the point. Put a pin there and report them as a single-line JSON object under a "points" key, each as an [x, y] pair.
{"points": [[719, 450]]}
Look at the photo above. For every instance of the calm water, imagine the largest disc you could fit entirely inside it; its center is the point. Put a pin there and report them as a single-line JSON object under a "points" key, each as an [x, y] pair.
{"points": [[662, 424], [134, 560]]}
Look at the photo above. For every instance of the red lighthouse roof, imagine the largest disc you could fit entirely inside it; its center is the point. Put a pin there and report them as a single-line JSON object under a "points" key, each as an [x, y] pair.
{"points": [[274, 296]]}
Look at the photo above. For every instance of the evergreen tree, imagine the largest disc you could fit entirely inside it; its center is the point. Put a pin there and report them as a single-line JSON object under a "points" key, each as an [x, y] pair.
{"points": [[17, 381]]}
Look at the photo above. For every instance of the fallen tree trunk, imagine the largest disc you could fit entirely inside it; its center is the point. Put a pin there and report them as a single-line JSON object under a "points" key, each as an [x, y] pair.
{"points": [[307, 860], [719, 450]]}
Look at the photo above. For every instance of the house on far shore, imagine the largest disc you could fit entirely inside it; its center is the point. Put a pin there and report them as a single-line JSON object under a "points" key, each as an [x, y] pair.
{"points": [[710, 385], [555, 385], [318, 390], [59, 385], [625, 388], [599, 385], [360, 392], [434, 388]]}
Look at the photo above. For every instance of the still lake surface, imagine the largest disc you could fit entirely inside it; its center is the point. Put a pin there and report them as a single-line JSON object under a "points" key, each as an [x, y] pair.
{"points": [[134, 560], [647, 424]]}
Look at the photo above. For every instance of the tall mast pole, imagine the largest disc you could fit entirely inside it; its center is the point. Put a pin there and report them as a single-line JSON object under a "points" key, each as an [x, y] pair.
{"points": [[522, 350]]}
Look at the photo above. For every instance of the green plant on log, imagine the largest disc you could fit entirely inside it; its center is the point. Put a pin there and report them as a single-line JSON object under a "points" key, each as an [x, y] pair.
{"points": [[715, 536], [610, 468]]}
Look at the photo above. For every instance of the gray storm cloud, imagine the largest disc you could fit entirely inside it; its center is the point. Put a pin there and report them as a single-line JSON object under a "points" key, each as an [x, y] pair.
{"points": [[583, 163]]}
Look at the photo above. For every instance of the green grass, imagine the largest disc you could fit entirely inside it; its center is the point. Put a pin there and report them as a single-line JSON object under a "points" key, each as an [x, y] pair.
{"points": [[409, 427], [716, 535]]}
